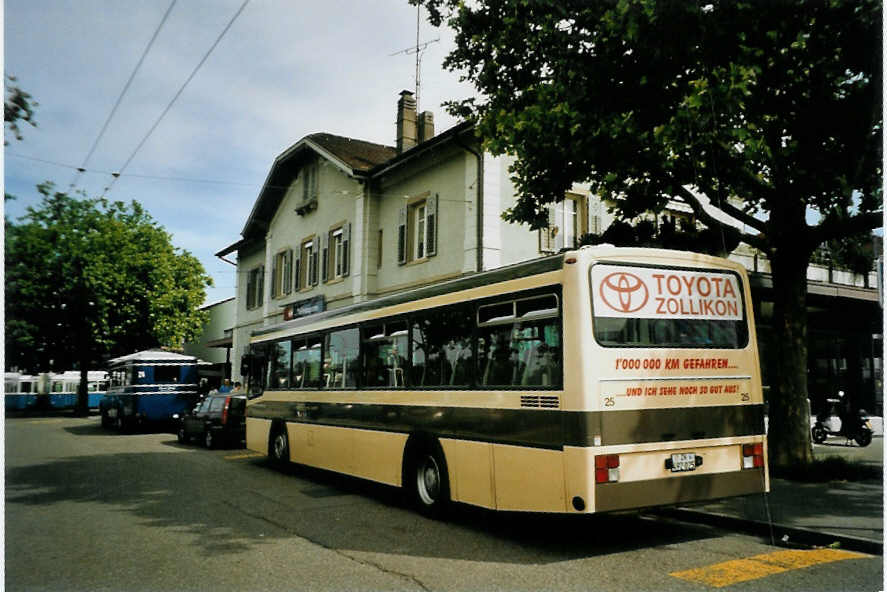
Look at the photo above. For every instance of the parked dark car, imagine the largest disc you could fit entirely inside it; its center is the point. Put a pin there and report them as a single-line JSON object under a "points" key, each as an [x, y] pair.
{"points": [[219, 419]]}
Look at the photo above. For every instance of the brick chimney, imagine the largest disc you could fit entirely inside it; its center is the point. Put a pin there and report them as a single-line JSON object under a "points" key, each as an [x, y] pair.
{"points": [[406, 122], [426, 126]]}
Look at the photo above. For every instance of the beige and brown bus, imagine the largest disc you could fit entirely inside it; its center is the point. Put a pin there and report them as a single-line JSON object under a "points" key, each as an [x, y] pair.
{"points": [[599, 379]]}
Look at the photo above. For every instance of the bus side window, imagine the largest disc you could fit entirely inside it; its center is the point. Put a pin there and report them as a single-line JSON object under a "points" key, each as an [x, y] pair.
{"points": [[341, 358], [384, 354], [279, 363], [519, 343], [442, 348], [306, 363]]}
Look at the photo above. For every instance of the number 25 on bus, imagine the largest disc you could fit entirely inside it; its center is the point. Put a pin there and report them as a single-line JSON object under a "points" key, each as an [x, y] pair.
{"points": [[596, 380]]}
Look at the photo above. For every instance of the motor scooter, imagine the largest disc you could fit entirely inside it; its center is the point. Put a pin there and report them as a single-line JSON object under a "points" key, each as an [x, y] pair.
{"points": [[838, 420]]}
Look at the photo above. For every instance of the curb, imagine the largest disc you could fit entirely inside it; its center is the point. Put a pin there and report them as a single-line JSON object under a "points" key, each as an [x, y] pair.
{"points": [[791, 535]]}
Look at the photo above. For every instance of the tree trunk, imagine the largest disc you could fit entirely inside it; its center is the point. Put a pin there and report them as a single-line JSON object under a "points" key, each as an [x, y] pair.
{"points": [[82, 407], [789, 417]]}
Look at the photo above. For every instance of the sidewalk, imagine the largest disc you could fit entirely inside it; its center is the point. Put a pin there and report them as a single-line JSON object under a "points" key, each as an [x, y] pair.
{"points": [[844, 512]]}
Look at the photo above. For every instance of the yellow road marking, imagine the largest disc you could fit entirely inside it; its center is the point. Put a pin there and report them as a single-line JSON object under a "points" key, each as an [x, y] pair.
{"points": [[244, 455], [759, 566]]}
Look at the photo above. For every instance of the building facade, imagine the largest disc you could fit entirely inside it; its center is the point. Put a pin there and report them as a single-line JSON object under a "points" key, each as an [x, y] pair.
{"points": [[340, 221]]}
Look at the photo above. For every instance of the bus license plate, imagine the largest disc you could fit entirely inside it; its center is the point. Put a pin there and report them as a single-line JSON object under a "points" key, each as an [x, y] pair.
{"points": [[685, 461]]}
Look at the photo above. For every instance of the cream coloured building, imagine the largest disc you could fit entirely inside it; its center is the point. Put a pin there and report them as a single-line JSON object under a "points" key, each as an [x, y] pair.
{"points": [[340, 221]]}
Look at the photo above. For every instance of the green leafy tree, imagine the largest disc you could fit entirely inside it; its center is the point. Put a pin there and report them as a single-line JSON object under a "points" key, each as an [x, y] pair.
{"points": [[765, 111], [88, 280], [17, 106]]}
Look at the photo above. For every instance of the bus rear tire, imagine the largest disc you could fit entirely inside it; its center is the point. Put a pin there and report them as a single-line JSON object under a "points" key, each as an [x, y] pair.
{"points": [[427, 480], [279, 447]]}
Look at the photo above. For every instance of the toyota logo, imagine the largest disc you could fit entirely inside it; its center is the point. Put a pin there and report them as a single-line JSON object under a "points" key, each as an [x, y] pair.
{"points": [[624, 292]]}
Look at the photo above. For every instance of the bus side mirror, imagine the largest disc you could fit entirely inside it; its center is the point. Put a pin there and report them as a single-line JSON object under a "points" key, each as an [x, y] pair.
{"points": [[245, 362]]}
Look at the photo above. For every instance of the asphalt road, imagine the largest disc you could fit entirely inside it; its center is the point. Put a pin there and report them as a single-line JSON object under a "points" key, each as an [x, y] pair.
{"points": [[88, 509]]}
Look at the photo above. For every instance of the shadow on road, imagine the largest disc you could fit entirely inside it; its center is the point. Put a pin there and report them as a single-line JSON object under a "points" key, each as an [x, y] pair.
{"points": [[230, 508], [96, 429]]}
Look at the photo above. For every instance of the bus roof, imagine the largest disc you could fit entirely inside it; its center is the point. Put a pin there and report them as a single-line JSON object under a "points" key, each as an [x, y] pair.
{"points": [[474, 280], [152, 357]]}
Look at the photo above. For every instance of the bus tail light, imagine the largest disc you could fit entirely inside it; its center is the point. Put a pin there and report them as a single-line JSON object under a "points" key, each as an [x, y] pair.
{"points": [[225, 410], [606, 468], [753, 456]]}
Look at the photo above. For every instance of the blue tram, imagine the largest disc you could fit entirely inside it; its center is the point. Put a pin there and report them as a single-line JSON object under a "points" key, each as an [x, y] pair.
{"points": [[59, 389], [149, 386]]}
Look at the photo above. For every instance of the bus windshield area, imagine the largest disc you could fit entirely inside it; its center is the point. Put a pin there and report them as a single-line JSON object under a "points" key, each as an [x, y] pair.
{"points": [[643, 306], [615, 332]]}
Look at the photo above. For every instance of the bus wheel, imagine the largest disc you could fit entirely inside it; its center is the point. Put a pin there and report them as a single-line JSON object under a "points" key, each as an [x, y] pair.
{"points": [[182, 435], [121, 423], [279, 449], [428, 481]]}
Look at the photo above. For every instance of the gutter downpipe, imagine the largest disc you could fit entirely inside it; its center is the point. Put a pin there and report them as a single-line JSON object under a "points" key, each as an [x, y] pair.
{"points": [[480, 201]]}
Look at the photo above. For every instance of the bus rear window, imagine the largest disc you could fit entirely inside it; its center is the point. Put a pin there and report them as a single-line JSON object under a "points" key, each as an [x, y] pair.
{"points": [[637, 306]]}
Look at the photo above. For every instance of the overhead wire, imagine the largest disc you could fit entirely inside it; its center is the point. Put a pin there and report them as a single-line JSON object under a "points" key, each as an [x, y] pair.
{"points": [[342, 193], [117, 174], [132, 76]]}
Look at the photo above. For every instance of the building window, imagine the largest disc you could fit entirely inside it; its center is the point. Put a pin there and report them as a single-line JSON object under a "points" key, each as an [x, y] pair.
{"points": [[309, 182], [417, 230], [282, 274], [308, 263], [338, 250], [336, 253], [255, 286], [309, 189], [419, 219], [566, 223]]}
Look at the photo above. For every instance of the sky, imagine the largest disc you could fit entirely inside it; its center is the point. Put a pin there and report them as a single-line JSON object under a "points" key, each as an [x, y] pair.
{"points": [[283, 70]]}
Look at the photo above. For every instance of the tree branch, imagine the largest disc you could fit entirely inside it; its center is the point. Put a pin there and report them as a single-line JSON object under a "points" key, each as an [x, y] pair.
{"points": [[833, 227], [734, 212], [699, 210]]}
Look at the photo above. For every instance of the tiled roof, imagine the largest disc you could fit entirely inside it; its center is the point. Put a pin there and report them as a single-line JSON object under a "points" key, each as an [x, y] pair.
{"points": [[358, 154]]}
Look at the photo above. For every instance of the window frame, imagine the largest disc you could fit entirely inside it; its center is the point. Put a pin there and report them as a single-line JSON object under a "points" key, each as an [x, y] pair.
{"points": [[417, 230], [308, 263], [255, 287], [282, 273], [472, 314], [551, 238]]}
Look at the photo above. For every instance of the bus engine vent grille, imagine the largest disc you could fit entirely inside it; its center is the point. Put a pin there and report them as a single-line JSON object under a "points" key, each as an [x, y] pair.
{"points": [[540, 401]]}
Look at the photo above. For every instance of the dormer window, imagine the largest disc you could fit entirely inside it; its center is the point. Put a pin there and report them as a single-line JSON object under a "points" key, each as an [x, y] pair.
{"points": [[309, 188]]}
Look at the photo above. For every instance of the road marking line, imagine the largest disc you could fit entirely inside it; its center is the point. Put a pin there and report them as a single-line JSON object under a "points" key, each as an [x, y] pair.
{"points": [[45, 421], [244, 455], [759, 566]]}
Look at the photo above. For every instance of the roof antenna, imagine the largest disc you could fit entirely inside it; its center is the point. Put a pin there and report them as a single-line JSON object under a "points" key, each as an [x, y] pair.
{"points": [[417, 49]]}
